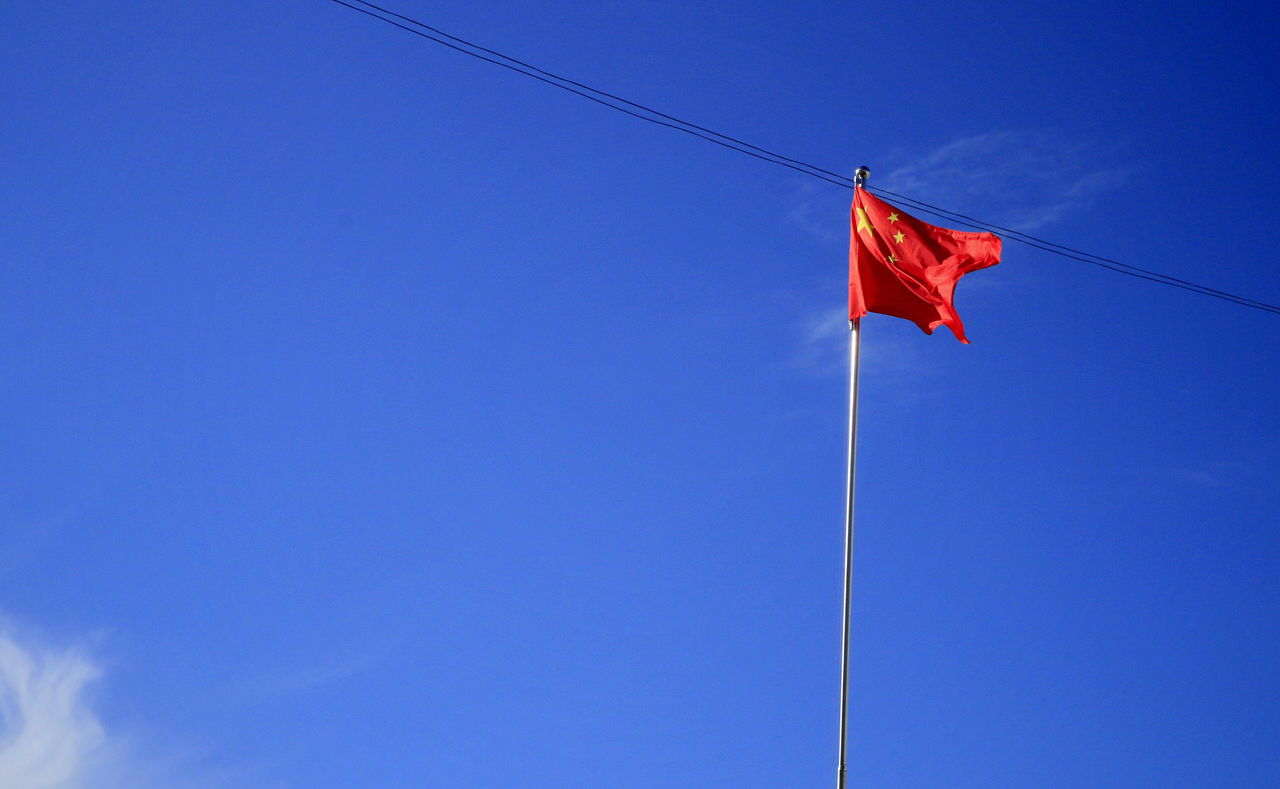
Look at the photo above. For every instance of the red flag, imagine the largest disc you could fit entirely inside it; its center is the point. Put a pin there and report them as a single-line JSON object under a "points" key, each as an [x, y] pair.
{"points": [[903, 267]]}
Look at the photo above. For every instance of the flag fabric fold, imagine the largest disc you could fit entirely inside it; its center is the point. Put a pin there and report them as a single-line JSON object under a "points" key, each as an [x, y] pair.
{"points": [[906, 268]]}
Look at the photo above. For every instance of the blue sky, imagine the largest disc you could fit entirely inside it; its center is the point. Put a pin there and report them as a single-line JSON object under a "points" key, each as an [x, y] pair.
{"points": [[378, 417]]}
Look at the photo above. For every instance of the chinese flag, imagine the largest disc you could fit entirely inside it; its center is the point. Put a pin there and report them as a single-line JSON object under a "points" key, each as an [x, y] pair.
{"points": [[903, 267]]}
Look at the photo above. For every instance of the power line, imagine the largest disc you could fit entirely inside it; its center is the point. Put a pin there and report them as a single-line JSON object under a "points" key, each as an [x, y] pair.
{"points": [[557, 78], [651, 115], [1076, 254], [599, 97]]}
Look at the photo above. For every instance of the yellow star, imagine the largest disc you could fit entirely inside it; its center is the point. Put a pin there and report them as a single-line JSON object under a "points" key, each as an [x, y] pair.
{"points": [[893, 217], [893, 258], [864, 223], [898, 237]]}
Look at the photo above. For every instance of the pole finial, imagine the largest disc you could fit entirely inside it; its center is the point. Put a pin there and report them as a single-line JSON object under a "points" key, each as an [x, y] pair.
{"points": [[861, 175]]}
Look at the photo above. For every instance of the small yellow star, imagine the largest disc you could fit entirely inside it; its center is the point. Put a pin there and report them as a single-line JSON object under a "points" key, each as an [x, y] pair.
{"points": [[893, 258], [899, 236], [893, 217], [864, 222]]}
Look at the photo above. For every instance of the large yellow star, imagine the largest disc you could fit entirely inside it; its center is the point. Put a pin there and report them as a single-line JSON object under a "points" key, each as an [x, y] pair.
{"points": [[864, 223]]}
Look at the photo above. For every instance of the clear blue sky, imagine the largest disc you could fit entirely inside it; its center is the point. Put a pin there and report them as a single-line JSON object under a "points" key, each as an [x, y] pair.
{"points": [[377, 417]]}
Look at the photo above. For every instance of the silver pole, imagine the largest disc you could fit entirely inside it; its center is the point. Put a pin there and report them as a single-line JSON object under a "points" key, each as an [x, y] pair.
{"points": [[855, 340], [855, 337]]}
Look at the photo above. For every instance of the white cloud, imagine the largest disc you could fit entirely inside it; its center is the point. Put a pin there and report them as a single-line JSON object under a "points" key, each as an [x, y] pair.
{"points": [[824, 346], [1214, 474], [1018, 180], [820, 212], [49, 735], [892, 350], [300, 679]]}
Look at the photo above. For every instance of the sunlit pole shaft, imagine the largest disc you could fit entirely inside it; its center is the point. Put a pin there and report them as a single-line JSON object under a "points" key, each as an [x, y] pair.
{"points": [[854, 342]]}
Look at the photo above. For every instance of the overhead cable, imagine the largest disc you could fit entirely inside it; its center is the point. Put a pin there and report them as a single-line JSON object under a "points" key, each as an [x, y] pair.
{"points": [[651, 115]]}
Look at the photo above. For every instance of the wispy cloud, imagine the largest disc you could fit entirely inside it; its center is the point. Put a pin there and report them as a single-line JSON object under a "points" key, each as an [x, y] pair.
{"points": [[815, 210], [310, 676], [824, 342], [23, 541], [897, 360], [49, 736], [1214, 474], [1020, 180]]}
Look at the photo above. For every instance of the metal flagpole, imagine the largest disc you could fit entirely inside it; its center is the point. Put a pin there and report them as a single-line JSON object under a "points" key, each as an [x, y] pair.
{"points": [[855, 337]]}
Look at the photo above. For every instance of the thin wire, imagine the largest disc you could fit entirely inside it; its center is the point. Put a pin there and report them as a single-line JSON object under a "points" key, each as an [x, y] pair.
{"points": [[1018, 235], [844, 180], [651, 115], [588, 96], [1084, 257]]}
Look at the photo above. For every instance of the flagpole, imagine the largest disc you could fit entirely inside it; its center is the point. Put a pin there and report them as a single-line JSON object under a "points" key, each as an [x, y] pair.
{"points": [[855, 341]]}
